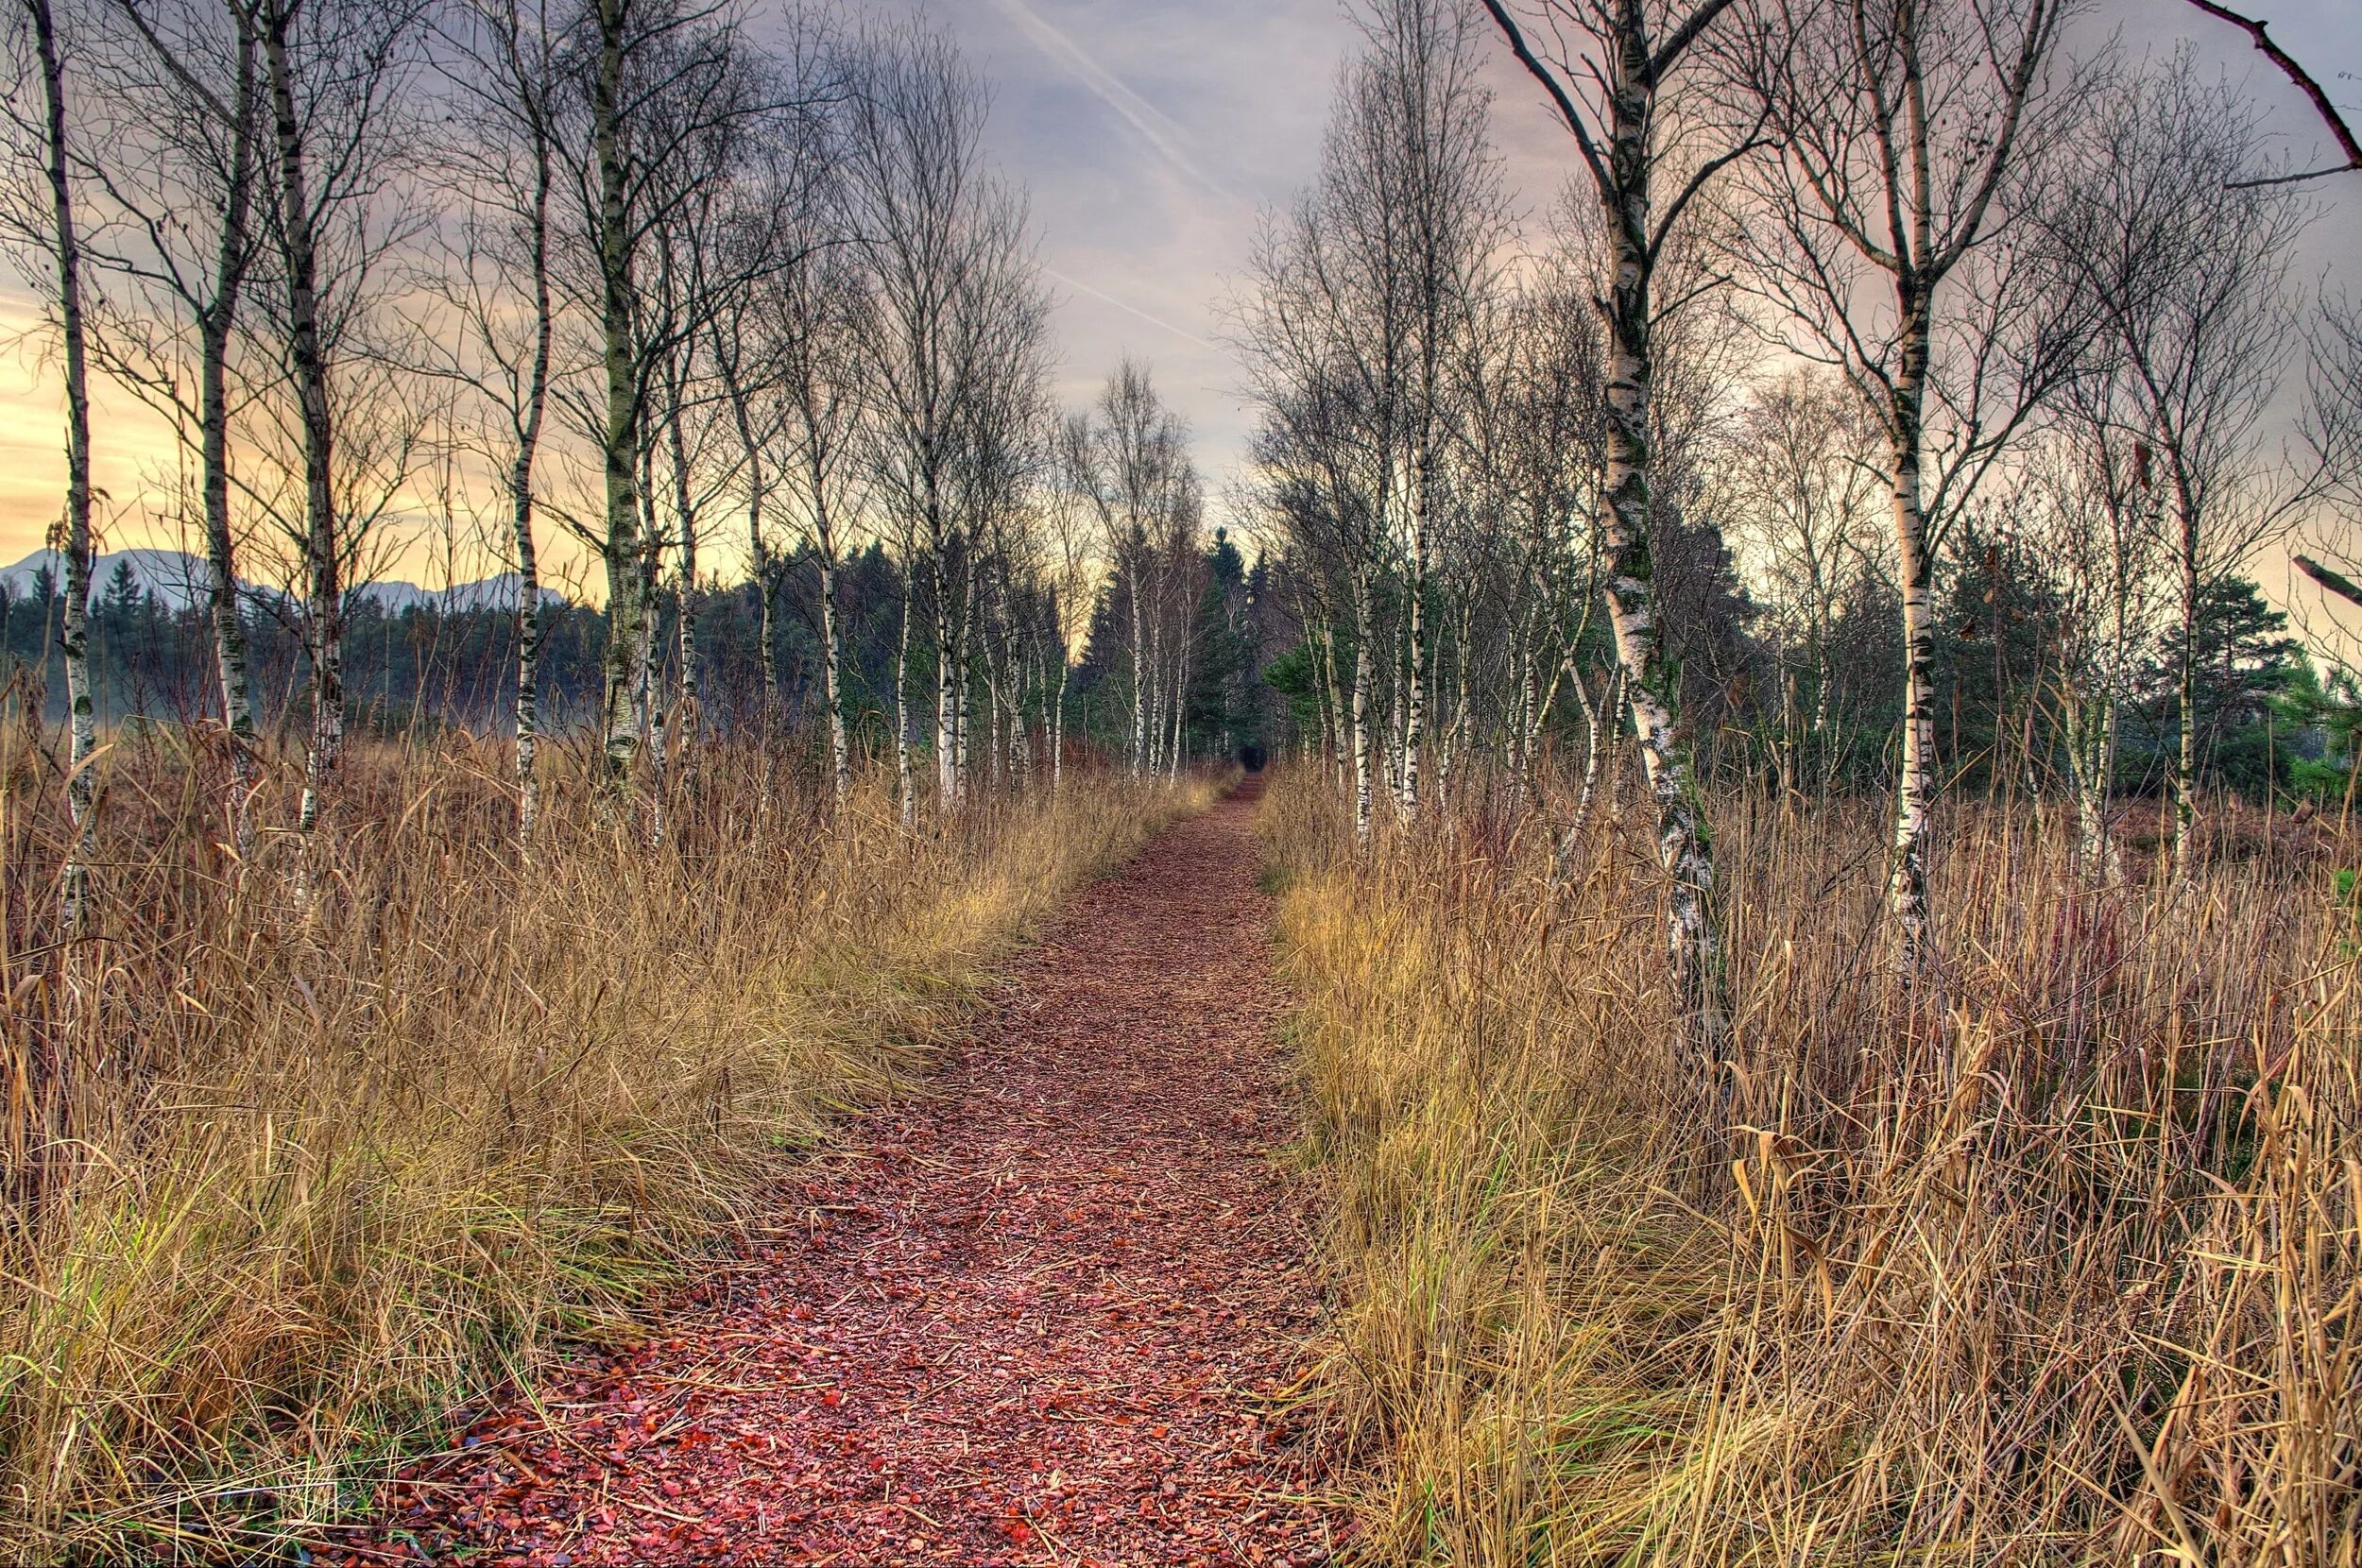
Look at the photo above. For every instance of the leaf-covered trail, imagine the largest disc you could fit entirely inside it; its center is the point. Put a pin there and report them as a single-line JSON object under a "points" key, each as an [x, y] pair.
{"points": [[1028, 1318]]}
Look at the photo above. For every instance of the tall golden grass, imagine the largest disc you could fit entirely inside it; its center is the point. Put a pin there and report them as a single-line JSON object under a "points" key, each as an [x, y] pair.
{"points": [[286, 1183], [2053, 1263]]}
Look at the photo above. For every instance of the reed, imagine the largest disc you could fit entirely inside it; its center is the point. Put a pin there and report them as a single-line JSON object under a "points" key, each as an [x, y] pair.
{"points": [[2053, 1261], [289, 1179]]}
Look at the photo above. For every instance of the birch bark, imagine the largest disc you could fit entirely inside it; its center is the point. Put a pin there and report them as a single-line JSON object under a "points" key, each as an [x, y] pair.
{"points": [[81, 783], [323, 558]]}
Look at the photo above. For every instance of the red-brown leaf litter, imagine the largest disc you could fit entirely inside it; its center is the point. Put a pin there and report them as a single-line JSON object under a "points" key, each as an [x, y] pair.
{"points": [[1044, 1313]]}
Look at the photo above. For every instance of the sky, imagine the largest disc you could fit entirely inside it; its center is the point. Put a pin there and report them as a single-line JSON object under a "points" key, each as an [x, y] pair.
{"points": [[1151, 134]]}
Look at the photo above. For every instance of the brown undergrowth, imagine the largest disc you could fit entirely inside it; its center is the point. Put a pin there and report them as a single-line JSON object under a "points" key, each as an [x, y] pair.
{"points": [[2055, 1263], [289, 1180]]}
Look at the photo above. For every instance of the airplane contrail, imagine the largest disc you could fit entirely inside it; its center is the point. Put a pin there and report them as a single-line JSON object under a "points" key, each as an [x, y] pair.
{"points": [[1154, 128], [1132, 310]]}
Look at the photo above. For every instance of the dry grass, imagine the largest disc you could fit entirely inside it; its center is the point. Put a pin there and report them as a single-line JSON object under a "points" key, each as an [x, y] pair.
{"points": [[285, 1186], [2059, 1267]]}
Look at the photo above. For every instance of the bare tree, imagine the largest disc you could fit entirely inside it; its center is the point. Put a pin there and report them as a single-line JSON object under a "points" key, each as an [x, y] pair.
{"points": [[1127, 459], [2094, 491], [1372, 284], [822, 310], [1535, 447], [56, 238], [336, 436], [662, 104], [788, 352], [500, 167], [2181, 256], [1801, 482], [1617, 83], [953, 296], [334, 74], [183, 128], [1907, 138]]}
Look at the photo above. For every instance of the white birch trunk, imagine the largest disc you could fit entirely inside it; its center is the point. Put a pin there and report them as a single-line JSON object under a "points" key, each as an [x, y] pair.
{"points": [[1693, 936], [80, 782], [216, 326], [521, 495], [1906, 891], [323, 590], [906, 777], [685, 618], [832, 663], [1361, 675], [626, 599]]}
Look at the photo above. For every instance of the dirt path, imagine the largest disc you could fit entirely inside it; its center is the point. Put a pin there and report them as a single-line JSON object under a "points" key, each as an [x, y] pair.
{"points": [[1028, 1318]]}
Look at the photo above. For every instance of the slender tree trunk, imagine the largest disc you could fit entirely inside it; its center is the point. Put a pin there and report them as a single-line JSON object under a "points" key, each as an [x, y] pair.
{"points": [[947, 699], [1140, 676], [229, 621], [2094, 755], [1693, 936], [759, 546], [832, 663], [905, 776], [1526, 746], [324, 593], [1057, 728], [1340, 747], [528, 654], [963, 719], [655, 714], [1415, 651], [626, 599], [1456, 736], [81, 783], [1906, 890], [1177, 714], [690, 719], [216, 326], [2185, 811], [1598, 741], [1362, 676], [759, 555], [521, 493]]}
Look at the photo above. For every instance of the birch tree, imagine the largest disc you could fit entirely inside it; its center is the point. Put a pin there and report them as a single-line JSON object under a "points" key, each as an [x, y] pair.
{"points": [[55, 236], [502, 61], [2097, 494], [1617, 84], [1801, 481], [336, 75], [664, 97], [819, 311], [1127, 458], [1370, 282], [1534, 440], [183, 131], [947, 253], [2181, 256], [1907, 140]]}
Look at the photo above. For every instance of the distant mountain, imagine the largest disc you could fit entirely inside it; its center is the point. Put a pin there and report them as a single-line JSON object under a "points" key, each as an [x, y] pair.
{"points": [[178, 580], [175, 579]]}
